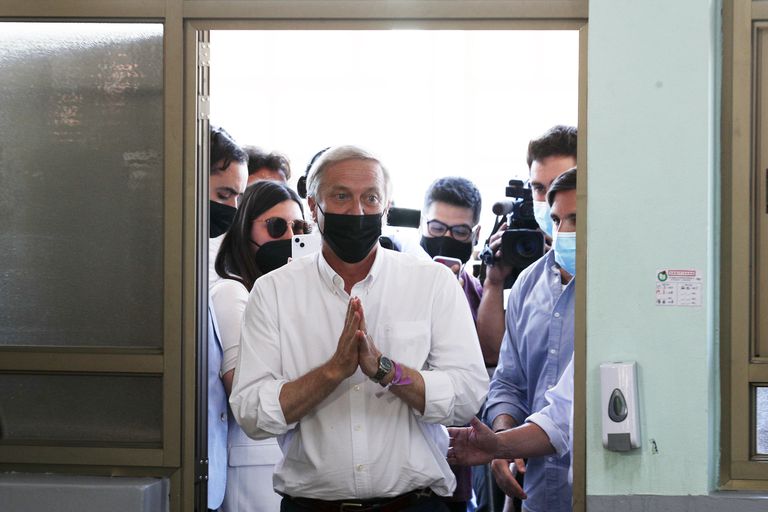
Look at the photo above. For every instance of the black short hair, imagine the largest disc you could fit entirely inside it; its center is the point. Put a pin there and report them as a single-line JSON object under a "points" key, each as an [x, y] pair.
{"points": [[455, 191], [274, 161], [566, 181], [224, 150], [559, 140]]}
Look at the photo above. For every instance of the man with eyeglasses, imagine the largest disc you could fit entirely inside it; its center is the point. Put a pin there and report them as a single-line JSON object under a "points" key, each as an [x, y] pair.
{"points": [[450, 229], [357, 356]]}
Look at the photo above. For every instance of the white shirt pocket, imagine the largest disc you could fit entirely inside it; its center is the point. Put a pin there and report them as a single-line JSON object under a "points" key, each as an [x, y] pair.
{"points": [[407, 342]]}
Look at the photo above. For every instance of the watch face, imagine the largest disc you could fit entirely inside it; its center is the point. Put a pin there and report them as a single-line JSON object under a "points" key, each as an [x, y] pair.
{"points": [[385, 365]]}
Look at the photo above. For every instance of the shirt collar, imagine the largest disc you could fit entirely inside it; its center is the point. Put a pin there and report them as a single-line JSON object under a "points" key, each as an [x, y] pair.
{"points": [[552, 266], [554, 269], [335, 282]]}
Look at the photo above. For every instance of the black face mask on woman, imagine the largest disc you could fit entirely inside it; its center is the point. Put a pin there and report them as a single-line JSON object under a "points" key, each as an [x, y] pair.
{"points": [[221, 217], [272, 255], [447, 246], [351, 237]]}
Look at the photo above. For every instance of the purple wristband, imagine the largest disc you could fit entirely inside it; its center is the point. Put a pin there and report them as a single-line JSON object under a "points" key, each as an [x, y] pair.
{"points": [[397, 380]]}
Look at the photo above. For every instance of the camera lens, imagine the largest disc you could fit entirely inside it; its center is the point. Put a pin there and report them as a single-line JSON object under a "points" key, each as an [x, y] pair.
{"points": [[527, 247], [521, 247]]}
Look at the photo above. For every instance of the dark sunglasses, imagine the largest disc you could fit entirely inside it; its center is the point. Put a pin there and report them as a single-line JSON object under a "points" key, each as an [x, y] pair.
{"points": [[461, 232], [277, 226]]}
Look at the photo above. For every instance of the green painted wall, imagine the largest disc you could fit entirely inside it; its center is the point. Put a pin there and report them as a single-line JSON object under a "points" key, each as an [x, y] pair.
{"points": [[652, 154]]}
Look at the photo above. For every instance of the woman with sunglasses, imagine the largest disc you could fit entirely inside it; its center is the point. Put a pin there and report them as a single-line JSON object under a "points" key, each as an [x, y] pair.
{"points": [[258, 242]]}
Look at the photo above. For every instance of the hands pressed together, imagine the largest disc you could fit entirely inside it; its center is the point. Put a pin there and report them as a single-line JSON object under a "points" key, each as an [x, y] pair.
{"points": [[355, 347]]}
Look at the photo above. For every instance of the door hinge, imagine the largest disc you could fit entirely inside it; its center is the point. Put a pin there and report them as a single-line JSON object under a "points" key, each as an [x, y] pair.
{"points": [[204, 54], [203, 107]]}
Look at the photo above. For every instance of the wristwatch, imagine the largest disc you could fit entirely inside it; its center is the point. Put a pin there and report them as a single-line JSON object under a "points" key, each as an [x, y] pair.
{"points": [[385, 365]]}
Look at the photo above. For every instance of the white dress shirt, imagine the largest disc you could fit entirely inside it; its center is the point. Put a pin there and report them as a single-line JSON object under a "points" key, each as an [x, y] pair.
{"points": [[353, 444]]}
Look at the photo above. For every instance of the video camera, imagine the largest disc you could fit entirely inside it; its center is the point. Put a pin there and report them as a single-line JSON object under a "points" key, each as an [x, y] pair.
{"points": [[522, 243], [400, 218]]}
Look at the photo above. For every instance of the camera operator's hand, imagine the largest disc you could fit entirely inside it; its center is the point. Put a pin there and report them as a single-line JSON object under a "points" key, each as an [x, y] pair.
{"points": [[496, 274]]}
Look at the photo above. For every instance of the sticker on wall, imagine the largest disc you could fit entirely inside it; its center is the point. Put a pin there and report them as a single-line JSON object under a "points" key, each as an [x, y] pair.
{"points": [[679, 287]]}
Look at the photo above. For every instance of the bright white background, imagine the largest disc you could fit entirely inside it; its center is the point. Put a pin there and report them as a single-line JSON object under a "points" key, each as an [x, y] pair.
{"points": [[429, 103]]}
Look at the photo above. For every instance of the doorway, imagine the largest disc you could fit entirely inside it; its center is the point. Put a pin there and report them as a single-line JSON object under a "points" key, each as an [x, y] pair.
{"points": [[432, 102]]}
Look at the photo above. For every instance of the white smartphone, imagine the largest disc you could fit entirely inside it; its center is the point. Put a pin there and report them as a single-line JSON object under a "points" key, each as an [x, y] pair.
{"points": [[302, 245]]}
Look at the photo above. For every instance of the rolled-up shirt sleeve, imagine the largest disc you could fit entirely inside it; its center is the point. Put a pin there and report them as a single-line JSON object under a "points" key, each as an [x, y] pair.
{"points": [[255, 398], [455, 378], [556, 419]]}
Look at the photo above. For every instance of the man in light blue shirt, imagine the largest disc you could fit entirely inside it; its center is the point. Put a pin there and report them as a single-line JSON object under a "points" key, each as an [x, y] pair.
{"points": [[537, 347], [547, 432]]}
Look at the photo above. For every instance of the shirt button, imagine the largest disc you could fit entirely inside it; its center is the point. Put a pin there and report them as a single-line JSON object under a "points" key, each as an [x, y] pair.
{"points": [[357, 428], [359, 467], [552, 351], [223, 417], [550, 459], [557, 315], [357, 387]]}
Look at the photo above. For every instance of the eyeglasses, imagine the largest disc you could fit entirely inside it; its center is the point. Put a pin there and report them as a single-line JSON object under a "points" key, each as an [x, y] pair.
{"points": [[461, 232], [277, 226]]}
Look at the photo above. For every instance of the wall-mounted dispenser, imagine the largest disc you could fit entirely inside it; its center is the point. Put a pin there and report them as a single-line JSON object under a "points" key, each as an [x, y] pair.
{"points": [[619, 406]]}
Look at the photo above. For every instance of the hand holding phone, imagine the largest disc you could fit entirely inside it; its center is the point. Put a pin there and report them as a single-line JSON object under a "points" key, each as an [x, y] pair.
{"points": [[453, 263]]}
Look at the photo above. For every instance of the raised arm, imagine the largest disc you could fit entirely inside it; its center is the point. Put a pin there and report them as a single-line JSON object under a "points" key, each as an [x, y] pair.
{"points": [[478, 444], [490, 312]]}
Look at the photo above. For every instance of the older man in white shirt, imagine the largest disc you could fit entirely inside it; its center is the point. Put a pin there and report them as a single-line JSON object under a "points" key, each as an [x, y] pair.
{"points": [[356, 357]]}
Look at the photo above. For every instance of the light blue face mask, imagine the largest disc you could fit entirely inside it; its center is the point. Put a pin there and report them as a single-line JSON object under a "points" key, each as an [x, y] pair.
{"points": [[542, 212], [564, 245]]}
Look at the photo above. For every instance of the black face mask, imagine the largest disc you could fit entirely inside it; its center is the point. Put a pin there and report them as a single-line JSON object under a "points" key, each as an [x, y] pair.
{"points": [[222, 216], [351, 237], [447, 246], [272, 255]]}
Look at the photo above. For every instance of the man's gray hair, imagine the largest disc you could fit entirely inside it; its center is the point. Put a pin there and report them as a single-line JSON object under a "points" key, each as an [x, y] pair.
{"points": [[339, 154]]}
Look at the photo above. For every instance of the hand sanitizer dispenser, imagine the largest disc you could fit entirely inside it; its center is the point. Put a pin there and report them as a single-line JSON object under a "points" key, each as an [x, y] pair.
{"points": [[619, 405]]}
